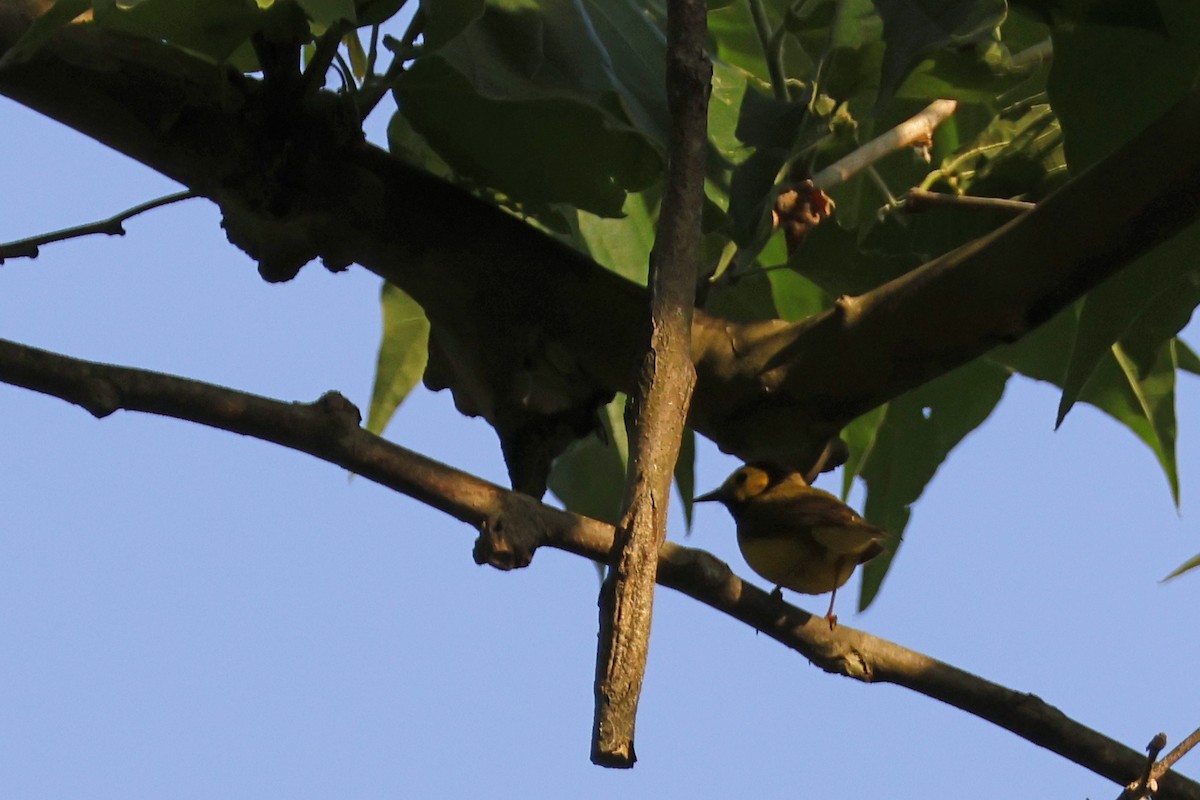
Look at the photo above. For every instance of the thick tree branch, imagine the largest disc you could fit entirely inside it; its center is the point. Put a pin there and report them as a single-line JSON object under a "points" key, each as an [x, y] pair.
{"points": [[660, 407], [307, 187], [514, 525]]}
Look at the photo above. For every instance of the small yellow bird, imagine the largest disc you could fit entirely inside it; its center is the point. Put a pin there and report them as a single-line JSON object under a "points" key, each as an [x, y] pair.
{"points": [[793, 535]]}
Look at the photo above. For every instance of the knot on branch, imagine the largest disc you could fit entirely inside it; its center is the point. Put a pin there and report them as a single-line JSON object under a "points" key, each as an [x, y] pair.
{"points": [[503, 546], [99, 397], [339, 411]]}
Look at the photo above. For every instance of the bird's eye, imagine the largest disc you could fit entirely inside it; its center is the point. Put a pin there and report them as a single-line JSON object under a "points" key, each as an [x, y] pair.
{"points": [[740, 478]]}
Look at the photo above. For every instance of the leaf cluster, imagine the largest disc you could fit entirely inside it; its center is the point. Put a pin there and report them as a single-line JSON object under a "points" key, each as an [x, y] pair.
{"points": [[554, 110]]}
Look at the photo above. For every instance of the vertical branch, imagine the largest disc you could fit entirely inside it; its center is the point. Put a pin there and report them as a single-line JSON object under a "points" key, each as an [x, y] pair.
{"points": [[665, 384]]}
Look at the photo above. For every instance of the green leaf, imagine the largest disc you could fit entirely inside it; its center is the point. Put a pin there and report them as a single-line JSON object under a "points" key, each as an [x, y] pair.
{"points": [[632, 35], [1138, 395], [1186, 566], [1162, 319], [796, 297], [1143, 305], [1067, 13], [623, 244], [1108, 83], [589, 476], [527, 101], [41, 29], [407, 144], [1188, 360], [962, 75], [323, 13], [376, 12], [445, 19], [1043, 353], [685, 473], [726, 150], [403, 351], [213, 29], [1146, 405], [915, 28], [733, 41], [860, 436], [918, 431], [1015, 154], [358, 56], [833, 259]]}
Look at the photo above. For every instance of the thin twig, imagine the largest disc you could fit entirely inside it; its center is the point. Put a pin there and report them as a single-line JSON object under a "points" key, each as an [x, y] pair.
{"points": [[372, 51], [323, 56], [374, 91], [918, 200], [762, 26], [1179, 752], [1149, 782], [113, 226], [517, 524], [1146, 784], [916, 129]]}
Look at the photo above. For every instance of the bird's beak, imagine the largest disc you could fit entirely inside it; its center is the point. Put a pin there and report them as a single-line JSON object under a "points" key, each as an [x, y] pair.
{"points": [[715, 494]]}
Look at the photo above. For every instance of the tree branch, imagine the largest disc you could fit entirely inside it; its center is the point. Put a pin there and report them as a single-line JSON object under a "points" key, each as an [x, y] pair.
{"points": [[917, 200], [113, 226], [521, 298], [1148, 783], [660, 407], [915, 130], [514, 525]]}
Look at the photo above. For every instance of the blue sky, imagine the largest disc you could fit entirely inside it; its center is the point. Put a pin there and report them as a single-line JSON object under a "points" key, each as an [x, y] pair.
{"points": [[189, 613]]}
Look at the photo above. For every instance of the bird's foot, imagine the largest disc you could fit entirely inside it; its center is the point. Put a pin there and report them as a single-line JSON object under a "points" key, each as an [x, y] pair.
{"points": [[831, 618]]}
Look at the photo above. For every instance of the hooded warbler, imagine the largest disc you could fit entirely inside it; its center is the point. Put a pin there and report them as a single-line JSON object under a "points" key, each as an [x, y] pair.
{"points": [[795, 536]]}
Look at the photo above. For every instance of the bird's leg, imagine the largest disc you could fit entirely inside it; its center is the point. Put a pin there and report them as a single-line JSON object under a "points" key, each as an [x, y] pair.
{"points": [[831, 617], [777, 594]]}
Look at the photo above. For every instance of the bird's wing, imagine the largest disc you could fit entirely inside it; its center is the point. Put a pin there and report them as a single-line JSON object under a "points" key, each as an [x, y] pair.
{"points": [[858, 539], [782, 512], [837, 527]]}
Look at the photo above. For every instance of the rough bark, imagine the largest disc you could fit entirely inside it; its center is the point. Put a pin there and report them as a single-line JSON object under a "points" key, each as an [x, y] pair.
{"points": [[660, 406]]}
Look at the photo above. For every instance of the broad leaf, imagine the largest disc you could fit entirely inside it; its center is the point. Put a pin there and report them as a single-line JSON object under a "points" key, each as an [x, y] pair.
{"points": [[527, 100], [323, 13], [445, 19], [1140, 396], [860, 436], [376, 12], [1107, 83], [1145, 405], [589, 476], [918, 431], [403, 351], [1188, 360], [623, 244], [915, 28], [1145, 304], [214, 29]]}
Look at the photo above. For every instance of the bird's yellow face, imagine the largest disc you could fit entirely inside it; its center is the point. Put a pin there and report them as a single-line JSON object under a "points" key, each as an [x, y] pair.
{"points": [[739, 488]]}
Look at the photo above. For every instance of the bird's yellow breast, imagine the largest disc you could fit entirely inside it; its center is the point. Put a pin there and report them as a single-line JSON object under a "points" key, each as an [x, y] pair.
{"points": [[796, 562]]}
